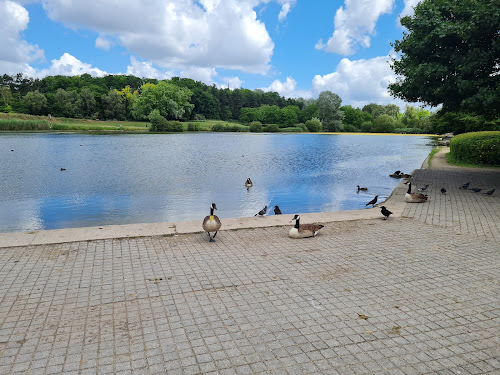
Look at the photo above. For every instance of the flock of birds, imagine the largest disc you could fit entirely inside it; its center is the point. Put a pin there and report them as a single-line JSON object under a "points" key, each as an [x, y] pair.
{"points": [[212, 223]]}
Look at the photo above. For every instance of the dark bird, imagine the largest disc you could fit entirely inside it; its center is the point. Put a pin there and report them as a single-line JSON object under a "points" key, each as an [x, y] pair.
{"points": [[262, 212], [475, 190], [373, 201], [423, 188], [304, 230], [465, 186], [63, 169], [443, 191], [385, 212], [211, 223], [489, 192], [277, 210], [11, 150], [362, 188], [248, 183]]}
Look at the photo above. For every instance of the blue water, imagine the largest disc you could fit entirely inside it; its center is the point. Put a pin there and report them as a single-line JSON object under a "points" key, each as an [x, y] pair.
{"points": [[123, 179]]}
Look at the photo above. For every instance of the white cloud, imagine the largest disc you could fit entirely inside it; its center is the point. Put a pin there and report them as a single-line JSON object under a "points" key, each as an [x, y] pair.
{"points": [[288, 89], [231, 83], [359, 82], [67, 65], [285, 9], [103, 42], [199, 74], [145, 69], [177, 33], [354, 24], [409, 5], [15, 53]]}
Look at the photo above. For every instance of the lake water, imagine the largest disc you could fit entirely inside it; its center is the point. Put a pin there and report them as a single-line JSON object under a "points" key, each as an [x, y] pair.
{"points": [[124, 179]]}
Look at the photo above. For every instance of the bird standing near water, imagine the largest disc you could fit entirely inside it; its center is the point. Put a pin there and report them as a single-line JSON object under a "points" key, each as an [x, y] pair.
{"points": [[465, 186], [489, 192], [414, 197], [211, 223], [304, 230], [385, 212], [373, 201], [277, 210], [262, 212]]}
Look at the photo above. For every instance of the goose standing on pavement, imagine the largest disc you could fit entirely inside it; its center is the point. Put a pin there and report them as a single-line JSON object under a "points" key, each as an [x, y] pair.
{"points": [[372, 202], [211, 223], [304, 230], [489, 192], [414, 197], [262, 212], [385, 212]]}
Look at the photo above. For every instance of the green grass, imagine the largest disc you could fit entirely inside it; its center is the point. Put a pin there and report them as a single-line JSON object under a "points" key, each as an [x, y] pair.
{"points": [[434, 151]]}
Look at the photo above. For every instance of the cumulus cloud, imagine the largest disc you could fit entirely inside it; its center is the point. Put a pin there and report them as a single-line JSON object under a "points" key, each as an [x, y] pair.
{"points": [[15, 53], [146, 69], [354, 24], [288, 89], [177, 33], [103, 43], [67, 65], [286, 6], [409, 6], [359, 82], [231, 83]]}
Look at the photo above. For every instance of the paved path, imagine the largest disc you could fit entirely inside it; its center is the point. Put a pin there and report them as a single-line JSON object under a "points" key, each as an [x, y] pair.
{"points": [[416, 294]]}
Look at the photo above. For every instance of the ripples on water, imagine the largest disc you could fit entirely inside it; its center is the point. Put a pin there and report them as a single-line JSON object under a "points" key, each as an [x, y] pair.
{"points": [[123, 179]]}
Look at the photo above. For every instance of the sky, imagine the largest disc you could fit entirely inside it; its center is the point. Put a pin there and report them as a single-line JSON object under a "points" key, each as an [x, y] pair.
{"points": [[297, 48]]}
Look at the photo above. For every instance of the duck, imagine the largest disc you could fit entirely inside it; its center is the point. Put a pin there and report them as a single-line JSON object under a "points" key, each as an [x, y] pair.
{"points": [[373, 201], [465, 186], [396, 174], [362, 188], [277, 210], [414, 197], [385, 212], [304, 230], [262, 212], [489, 192], [248, 183], [211, 223]]}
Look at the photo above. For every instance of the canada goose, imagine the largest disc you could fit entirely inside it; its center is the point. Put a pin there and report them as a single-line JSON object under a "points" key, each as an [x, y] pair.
{"points": [[362, 188], [475, 190], [396, 174], [304, 230], [385, 212], [373, 201], [277, 210], [443, 191], [262, 212], [414, 197], [248, 183], [489, 192], [211, 223], [423, 188], [465, 186]]}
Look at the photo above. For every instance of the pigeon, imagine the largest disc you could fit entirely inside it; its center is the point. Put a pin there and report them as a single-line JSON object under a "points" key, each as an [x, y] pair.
{"points": [[465, 186], [423, 188], [277, 210], [443, 191], [262, 212], [373, 201], [475, 190], [489, 192], [385, 212]]}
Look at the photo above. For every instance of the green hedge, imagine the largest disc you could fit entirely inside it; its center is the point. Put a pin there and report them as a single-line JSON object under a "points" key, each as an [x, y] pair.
{"points": [[480, 148], [16, 125]]}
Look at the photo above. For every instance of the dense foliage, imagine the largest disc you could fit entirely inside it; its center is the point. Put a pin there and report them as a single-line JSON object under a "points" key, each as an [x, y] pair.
{"points": [[482, 148]]}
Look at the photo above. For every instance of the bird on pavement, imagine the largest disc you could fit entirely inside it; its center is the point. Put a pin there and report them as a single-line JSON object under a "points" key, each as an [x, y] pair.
{"points": [[489, 192], [373, 201], [423, 188], [414, 197], [465, 186], [443, 191], [211, 223], [475, 190], [385, 212], [304, 230], [262, 212], [277, 210]]}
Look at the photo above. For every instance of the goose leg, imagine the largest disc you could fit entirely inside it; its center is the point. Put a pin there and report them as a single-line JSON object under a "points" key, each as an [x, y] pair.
{"points": [[215, 235]]}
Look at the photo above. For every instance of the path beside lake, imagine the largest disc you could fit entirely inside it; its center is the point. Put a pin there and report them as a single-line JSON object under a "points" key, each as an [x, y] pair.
{"points": [[418, 293]]}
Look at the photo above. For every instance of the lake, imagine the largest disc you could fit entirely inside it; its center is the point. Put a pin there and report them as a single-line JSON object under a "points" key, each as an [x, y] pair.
{"points": [[125, 179]]}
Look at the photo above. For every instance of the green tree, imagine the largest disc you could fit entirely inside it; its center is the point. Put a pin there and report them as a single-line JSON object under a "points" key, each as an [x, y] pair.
{"points": [[269, 114], [68, 103], [383, 124], [289, 115], [171, 101], [35, 102], [451, 56], [88, 103], [414, 117], [113, 106], [314, 125], [308, 112], [329, 110]]}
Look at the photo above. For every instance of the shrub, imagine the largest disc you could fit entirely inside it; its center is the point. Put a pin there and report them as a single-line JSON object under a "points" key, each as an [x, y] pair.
{"points": [[409, 131], [480, 148], [314, 125], [255, 127], [349, 128], [302, 126], [218, 128], [366, 126], [292, 129], [272, 128], [13, 124], [193, 127]]}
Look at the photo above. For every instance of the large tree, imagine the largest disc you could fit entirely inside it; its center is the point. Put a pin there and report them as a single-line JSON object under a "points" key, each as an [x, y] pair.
{"points": [[450, 55], [329, 111]]}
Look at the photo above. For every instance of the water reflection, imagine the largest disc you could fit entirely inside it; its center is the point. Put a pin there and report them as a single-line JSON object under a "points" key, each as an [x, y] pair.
{"points": [[122, 179]]}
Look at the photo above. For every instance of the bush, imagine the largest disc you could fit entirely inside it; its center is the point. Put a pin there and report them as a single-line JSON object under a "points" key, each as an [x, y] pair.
{"points": [[480, 148], [292, 129], [459, 122], [314, 125], [302, 126], [272, 128], [160, 124], [13, 124], [409, 131], [193, 127], [349, 128], [255, 127], [234, 128], [366, 126]]}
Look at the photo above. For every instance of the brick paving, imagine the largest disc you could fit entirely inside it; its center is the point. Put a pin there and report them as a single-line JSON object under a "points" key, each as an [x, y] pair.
{"points": [[419, 294]]}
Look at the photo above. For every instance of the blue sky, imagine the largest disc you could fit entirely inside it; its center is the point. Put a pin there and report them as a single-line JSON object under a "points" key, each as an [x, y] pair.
{"points": [[295, 47]]}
